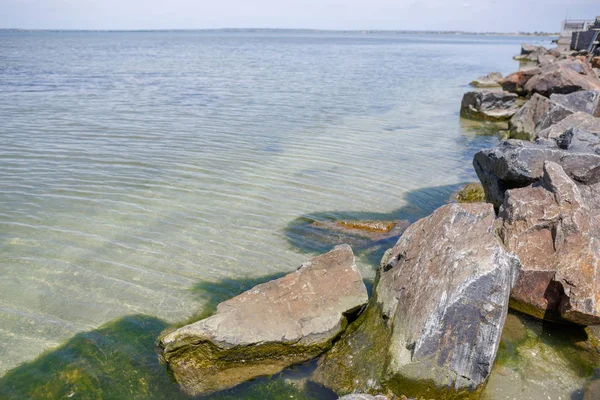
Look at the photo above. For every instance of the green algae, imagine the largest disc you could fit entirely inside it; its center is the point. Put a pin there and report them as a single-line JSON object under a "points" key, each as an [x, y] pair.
{"points": [[470, 193], [116, 361]]}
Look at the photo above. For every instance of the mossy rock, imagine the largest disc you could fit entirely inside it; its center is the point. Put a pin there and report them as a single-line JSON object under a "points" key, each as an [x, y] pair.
{"points": [[470, 193]]}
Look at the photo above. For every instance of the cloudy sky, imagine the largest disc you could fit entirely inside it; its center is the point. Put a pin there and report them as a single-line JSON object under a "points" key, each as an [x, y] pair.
{"points": [[469, 15]]}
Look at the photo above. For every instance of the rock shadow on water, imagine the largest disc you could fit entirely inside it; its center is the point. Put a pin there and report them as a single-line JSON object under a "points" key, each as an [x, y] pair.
{"points": [[115, 361], [119, 361], [303, 235]]}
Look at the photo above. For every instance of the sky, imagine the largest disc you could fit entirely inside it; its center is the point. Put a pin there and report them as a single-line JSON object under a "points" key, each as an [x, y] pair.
{"points": [[463, 15]]}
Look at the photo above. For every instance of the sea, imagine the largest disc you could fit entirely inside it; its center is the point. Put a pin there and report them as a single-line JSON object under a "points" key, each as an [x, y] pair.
{"points": [[146, 176]]}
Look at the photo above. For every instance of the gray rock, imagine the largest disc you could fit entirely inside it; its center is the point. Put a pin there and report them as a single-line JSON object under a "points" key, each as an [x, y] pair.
{"points": [[488, 105], [537, 114], [434, 322], [584, 101], [271, 326], [528, 49], [488, 81], [550, 227], [579, 120], [516, 164]]}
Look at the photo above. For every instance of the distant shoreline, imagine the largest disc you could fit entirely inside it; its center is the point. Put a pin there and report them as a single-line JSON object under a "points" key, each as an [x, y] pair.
{"points": [[276, 30]]}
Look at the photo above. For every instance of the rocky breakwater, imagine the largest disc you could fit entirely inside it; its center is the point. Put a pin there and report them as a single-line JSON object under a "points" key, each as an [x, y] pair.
{"points": [[433, 325], [547, 193], [268, 328]]}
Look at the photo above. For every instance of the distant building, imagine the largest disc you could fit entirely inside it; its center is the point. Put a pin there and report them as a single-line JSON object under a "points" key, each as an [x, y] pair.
{"points": [[585, 36]]}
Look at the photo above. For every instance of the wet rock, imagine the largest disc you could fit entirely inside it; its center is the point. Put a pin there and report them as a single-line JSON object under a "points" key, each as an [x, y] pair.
{"points": [[515, 82], [582, 121], [584, 101], [537, 114], [470, 193], [563, 77], [533, 53], [488, 105], [550, 227], [434, 322], [273, 325], [490, 80], [373, 230], [592, 390], [517, 164]]}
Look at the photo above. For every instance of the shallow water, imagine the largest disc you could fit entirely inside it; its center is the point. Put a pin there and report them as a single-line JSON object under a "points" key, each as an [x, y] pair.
{"points": [[158, 172]]}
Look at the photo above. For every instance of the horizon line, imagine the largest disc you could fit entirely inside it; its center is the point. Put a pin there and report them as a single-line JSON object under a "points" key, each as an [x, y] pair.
{"points": [[444, 31]]}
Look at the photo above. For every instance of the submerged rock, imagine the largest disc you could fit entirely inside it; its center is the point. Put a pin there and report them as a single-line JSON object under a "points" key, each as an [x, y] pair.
{"points": [[551, 228], [435, 319], [516, 164], [540, 360], [490, 80], [373, 230], [488, 105], [274, 325], [537, 114], [358, 396]]}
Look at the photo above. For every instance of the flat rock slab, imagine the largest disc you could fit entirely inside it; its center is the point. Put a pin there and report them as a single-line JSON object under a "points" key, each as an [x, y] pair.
{"points": [[434, 323], [271, 326], [553, 229]]}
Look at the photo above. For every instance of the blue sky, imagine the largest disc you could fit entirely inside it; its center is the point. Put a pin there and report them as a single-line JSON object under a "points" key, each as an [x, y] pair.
{"points": [[468, 15]]}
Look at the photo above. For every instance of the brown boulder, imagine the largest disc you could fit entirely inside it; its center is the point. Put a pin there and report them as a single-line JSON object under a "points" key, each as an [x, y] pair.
{"points": [[563, 77], [268, 328], [515, 82], [552, 228]]}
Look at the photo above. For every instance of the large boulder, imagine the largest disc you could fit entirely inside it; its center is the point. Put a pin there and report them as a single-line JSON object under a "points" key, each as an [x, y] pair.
{"points": [[553, 230], [488, 105], [515, 82], [563, 77], [434, 322], [516, 164], [271, 326], [488, 81], [584, 101], [537, 114], [533, 53]]}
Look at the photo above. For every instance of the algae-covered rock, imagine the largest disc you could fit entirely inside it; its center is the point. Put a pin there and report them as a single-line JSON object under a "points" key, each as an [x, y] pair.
{"points": [[433, 325], [372, 230], [470, 193], [273, 325], [488, 105]]}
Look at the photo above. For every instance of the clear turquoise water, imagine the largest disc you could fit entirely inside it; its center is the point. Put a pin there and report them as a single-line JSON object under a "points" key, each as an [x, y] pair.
{"points": [[155, 173]]}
